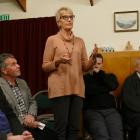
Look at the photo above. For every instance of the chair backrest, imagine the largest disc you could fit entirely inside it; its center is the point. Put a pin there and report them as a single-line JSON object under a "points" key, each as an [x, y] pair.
{"points": [[43, 103], [45, 113]]}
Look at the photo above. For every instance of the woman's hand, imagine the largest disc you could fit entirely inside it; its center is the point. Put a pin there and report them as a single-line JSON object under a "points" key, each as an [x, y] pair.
{"points": [[65, 59], [94, 53], [95, 50]]}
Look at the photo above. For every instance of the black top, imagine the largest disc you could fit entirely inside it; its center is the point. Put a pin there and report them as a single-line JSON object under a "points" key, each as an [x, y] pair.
{"points": [[3, 136], [97, 90]]}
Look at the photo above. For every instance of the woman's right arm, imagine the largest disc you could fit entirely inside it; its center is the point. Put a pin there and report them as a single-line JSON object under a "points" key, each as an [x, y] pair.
{"points": [[49, 63], [48, 57]]}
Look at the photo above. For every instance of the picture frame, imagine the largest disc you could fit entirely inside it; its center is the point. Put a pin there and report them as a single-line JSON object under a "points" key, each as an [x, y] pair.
{"points": [[126, 21]]}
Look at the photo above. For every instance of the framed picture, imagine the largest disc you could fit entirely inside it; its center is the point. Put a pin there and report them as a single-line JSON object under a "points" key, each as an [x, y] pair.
{"points": [[126, 21]]}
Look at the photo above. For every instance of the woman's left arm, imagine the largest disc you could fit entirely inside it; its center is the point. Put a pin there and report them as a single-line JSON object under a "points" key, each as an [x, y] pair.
{"points": [[87, 64]]}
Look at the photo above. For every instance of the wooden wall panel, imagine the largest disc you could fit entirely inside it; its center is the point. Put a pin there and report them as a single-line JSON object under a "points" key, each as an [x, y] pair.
{"points": [[121, 64]]}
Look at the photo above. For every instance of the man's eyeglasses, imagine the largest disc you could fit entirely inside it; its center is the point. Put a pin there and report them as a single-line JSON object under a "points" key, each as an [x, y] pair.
{"points": [[67, 17]]}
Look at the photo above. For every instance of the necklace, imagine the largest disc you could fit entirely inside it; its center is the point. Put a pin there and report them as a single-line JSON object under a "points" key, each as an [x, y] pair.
{"points": [[69, 47], [68, 43]]}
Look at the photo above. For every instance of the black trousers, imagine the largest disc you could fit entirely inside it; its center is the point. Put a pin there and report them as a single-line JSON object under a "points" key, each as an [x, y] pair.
{"points": [[104, 124], [132, 119], [45, 134], [67, 113]]}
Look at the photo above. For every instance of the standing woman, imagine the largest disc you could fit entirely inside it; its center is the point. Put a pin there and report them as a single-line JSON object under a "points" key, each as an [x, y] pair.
{"points": [[65, 59]]}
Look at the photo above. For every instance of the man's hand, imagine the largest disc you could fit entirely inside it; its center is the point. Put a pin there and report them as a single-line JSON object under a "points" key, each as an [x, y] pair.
{"points": [[29, 121]]}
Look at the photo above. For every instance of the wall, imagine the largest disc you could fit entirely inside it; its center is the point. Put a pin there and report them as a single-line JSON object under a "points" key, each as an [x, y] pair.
{"points": [[93, 23]]}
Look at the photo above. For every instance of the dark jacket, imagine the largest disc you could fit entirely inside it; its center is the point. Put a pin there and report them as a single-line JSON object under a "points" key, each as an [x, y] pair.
{"points": [[97, 90], [3, 136], [131, 92], [15, 125]]}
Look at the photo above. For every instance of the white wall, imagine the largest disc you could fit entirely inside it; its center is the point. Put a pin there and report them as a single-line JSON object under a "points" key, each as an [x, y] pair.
{"points": [[93, 23]]}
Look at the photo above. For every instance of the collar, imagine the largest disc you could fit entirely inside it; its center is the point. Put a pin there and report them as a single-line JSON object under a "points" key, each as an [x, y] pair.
{"points": [[11, 85], [64, 36]]}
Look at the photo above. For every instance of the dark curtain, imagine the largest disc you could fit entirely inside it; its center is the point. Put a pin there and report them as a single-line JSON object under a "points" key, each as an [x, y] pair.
{"points": [[26, 39]]}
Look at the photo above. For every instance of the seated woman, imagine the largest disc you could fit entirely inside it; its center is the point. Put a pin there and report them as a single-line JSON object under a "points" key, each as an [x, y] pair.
{"points": [[100, 114]]}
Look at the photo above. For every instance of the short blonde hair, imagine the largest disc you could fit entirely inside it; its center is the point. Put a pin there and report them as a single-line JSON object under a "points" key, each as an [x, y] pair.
{"points": [[60, 12]]}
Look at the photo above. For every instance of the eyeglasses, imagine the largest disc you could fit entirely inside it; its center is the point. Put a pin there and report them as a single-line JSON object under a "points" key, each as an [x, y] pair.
{"points": [[66, 18]]}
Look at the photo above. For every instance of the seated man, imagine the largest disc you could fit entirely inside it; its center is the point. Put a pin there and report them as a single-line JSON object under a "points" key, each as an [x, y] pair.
{"points": [[131, 99], [10, 127], [101, 117], [18, 95]]}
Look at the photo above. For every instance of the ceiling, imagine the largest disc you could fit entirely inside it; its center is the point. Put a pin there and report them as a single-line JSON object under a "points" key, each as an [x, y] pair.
{"points": [[22, 3]]}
